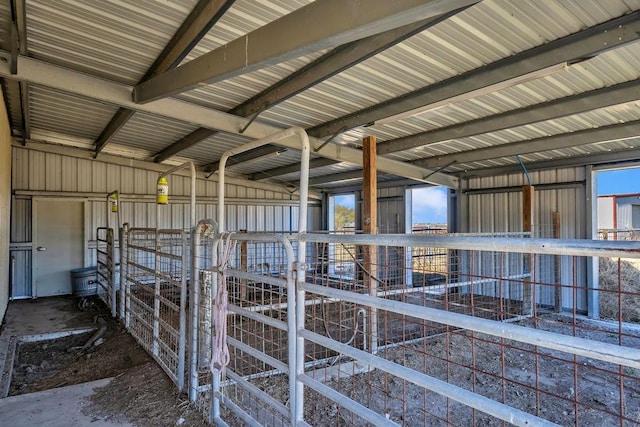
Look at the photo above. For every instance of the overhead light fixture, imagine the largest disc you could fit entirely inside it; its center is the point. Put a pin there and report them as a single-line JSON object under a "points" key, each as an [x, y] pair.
{"points": [[538, 74]]}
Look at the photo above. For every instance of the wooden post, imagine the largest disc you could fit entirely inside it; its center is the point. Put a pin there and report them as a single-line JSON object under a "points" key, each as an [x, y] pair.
{"points": [[370, 226], [557, 303], [244, 249], [527, 226]]}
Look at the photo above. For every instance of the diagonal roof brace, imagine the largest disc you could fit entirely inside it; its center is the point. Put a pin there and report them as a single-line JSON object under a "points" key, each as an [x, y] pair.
{"points": [[555, 142], [317, 26], [583, 44], [203, 16], [580, 103], [328, 65], [42, 73]]}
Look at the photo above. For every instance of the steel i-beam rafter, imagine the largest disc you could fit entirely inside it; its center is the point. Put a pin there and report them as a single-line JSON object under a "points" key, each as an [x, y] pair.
{"points": [[203, 16]]}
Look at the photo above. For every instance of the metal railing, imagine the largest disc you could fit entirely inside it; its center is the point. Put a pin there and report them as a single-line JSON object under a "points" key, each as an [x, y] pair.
{"points": [[452, 347], [107, 273]]}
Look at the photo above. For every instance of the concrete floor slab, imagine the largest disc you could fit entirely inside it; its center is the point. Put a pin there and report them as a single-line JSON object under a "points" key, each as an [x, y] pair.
{"points": [[59, 407]]}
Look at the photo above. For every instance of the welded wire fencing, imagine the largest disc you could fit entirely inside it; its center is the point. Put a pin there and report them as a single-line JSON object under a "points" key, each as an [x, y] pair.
{"points": [[156, 296], [510, 330], [482, 345]]}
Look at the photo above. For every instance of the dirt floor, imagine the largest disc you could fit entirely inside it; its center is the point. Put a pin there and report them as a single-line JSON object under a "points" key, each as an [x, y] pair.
{"points": [[569, 392], [141, 392]]}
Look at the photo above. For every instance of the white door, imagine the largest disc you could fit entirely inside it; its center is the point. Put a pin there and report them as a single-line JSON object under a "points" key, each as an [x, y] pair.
{"points": [[59, 245]]}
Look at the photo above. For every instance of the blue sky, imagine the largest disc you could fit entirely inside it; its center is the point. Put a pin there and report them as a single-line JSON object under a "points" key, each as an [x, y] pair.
{"points": [[619, 181], [348, 201], [430, 205]]}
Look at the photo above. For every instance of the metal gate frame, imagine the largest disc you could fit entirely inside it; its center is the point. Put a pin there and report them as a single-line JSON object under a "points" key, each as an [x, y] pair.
{"points": [[287, 284], [106, 268], [156, 264]]}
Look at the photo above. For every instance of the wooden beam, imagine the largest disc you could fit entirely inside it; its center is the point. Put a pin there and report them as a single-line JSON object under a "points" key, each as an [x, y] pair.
{"points": [[370, 226], [527, 226], [370, 187]]}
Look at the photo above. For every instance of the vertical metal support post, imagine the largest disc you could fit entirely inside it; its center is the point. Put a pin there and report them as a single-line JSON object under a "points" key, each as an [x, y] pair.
{"points": [[593, 270], [182, 339], [244, 249], [527, 226], [557, 273], [127, 283], [370, 226], [298, 409], [194, 301], [295, 386], [214, 413], [123, 271], [200, 320], [111, 262], [156, 297], [408, 229]]}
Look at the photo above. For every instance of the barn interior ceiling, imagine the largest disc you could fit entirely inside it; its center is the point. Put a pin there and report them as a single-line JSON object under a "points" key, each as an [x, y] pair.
{"points": [[450, 89]]}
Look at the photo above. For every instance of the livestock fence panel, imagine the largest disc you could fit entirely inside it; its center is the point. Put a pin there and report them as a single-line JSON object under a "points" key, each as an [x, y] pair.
{"points": [[156, 295]]}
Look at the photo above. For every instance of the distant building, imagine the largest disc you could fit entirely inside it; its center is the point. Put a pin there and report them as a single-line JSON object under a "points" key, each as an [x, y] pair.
{"points": [[619, 212]]}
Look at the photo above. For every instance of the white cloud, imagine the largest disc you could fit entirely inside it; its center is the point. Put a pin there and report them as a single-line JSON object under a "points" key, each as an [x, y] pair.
{"points": [[429, 205]]}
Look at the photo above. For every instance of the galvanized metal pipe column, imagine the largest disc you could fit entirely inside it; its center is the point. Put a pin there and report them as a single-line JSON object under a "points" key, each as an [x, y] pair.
{"points": [[296, 389], [200, 331]]}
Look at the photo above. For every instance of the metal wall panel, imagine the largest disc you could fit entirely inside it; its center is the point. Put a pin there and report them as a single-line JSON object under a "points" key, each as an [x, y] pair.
{"points": [[625, 211], [501, 210], [605, 212], [20, 270], [257, 209]]}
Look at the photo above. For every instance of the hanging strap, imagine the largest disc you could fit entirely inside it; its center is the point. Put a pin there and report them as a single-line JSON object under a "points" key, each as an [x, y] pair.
{"points": [[220, 357]]}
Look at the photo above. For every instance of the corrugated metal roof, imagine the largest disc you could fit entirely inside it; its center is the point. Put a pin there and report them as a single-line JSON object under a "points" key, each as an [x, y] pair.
{"points": [[5, 25], [149, 134], [116, 39], [14, 104], [212, 148], [242, 18], [482, 34], [65, 114], [229, 93], [119, 40]]}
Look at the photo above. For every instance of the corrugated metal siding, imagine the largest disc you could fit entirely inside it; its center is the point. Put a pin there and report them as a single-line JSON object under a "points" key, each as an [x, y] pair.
{"points": [[118, 39], [605, 212], [263, 210], [625, 211], [20, 286], [552, 176], [502, 211], [20, 220]]}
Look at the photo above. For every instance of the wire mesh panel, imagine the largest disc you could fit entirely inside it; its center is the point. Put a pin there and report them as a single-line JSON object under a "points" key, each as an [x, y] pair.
{"points": [[156, 280], [257, 271], [460, 352], [106, 269]]}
